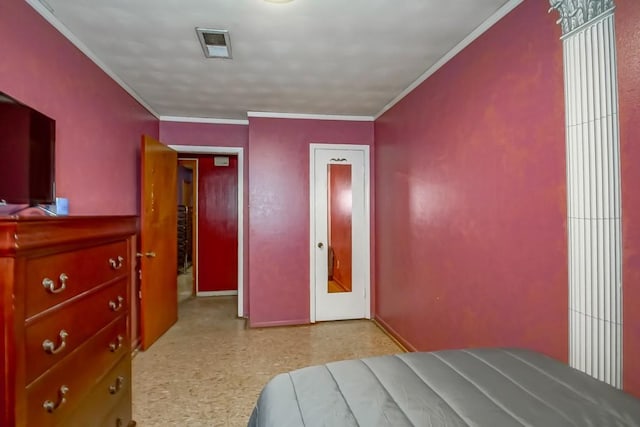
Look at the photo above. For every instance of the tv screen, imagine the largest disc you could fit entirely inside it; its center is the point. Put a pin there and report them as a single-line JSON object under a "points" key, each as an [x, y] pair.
{"points": [[27, 150]]}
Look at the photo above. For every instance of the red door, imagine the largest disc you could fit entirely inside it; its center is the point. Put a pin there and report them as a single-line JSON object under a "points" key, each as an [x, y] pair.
{"points": [[217, 224]]}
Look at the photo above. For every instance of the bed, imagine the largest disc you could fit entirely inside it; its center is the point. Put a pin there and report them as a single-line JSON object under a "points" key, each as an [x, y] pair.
{"points": [[479, 387]]}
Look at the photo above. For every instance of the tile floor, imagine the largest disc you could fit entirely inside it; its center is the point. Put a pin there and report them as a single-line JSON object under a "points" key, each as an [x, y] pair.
{"points": [[185, 285], [208, 369]]}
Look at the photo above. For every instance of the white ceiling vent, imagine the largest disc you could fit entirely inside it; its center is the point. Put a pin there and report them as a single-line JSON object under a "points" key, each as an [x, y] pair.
{"points": [[215, 43]]}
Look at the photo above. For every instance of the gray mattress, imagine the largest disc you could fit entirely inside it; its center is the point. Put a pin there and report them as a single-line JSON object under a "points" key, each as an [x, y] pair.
{"points": [[481, 387]]}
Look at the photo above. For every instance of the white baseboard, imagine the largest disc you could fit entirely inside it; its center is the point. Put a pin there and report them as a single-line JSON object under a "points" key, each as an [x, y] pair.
{"points": [[216, 293]]}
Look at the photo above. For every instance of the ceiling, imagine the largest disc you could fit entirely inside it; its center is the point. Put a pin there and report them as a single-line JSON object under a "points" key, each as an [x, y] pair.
{"points": [[328, 57]]}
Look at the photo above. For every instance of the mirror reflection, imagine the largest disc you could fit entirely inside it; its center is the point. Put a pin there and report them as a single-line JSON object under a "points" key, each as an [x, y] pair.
{"points": [[339, 227]]}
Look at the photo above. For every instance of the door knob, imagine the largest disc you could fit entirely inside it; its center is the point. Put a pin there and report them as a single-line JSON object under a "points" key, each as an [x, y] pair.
{"points": [[320, 245]]}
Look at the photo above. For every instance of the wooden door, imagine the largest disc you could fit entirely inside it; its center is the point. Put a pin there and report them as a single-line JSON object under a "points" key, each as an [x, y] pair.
{"points": [[158, 240]]}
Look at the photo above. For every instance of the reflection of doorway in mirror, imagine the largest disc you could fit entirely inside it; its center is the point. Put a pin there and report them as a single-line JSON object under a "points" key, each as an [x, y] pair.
{"points": [[339, 218]]}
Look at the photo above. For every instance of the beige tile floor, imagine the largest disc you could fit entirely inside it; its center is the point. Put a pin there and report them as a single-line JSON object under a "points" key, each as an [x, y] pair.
{"points": [[208, 369], [185, 285]]}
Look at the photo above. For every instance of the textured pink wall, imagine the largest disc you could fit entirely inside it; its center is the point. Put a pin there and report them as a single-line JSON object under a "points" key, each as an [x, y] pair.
{"points": [[98, 125], [209, 134], [471, 196], [279, 212], [628, 44]]}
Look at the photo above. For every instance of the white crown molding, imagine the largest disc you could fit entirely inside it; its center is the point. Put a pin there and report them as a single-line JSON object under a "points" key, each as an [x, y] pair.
{"points": [[204, 120], [271, 115], [204, 149], [488, 23], [51, 18]]}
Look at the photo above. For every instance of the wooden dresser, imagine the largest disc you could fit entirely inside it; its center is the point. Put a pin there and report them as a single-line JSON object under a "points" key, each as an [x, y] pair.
{"points": [[65, 338]]}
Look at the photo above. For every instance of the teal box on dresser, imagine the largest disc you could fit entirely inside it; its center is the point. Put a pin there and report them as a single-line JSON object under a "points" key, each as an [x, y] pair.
{"points": [[62, 206]]}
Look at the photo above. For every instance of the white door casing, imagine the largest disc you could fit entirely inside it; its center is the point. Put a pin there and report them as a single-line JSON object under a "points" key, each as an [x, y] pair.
{"points": [[202, 149], [342, 305]]}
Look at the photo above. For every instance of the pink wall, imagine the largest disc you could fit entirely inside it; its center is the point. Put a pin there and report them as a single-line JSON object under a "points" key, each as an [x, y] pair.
{"points": [[207, 134], [217, 225], [279, 214], [628, 44], [98, 125], [471, 196]]}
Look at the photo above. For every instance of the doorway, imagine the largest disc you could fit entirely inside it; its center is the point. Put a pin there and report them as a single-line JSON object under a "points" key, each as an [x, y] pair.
{"points": [[239, 156], [217, 219], [187, 196], [340, 232]]}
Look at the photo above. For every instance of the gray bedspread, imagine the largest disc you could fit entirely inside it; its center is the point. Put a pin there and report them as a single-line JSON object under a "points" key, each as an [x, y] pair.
{"points": [[481, 387]]}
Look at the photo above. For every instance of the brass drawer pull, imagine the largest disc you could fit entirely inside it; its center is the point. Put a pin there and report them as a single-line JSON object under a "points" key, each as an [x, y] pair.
{"points": [[116, 306], [50, 285], [115, 346], [50, 347], [50, 406], [117, 263], [114, 388]]}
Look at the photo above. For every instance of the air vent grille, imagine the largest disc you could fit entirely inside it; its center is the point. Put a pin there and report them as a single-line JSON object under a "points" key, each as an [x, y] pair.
{"points": [[215, 43]]}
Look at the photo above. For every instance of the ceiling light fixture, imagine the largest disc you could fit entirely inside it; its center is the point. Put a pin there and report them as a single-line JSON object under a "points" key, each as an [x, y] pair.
{"points": [[215, 43]]}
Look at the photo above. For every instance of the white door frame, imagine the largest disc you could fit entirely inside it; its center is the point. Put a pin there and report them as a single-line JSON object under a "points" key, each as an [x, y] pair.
{"points": [[367, 209], [238, 151]]}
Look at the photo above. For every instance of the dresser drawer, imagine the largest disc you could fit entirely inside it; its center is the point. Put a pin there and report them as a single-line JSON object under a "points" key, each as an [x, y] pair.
{"points": [[108, 401], [73, 378], [75, 324], [70, 273], [120, 416], [65, 387]]}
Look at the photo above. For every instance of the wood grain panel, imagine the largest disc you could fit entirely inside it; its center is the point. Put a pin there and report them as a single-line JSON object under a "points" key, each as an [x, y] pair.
{"points": [[66, 373], [7, 335], [60, 231], [101, 407], [82, 275], [28, 376], [80, 321], [158, 240], [121, 413]]}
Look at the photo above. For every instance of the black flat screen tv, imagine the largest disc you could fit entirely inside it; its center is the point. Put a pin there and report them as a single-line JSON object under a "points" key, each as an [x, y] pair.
{"points": [[27, 154]]}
